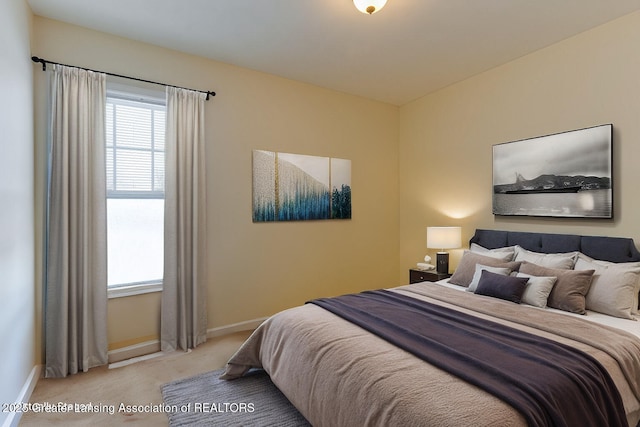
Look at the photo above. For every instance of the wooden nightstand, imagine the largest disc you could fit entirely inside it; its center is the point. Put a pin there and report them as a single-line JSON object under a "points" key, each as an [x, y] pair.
{"points": [[416, 276]]}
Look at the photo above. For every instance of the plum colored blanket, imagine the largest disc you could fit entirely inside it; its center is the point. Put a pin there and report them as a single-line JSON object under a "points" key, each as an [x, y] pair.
{"points": [[529, 372]]}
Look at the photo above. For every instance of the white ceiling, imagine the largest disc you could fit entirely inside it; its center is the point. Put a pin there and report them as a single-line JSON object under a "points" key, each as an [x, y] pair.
{"points": [[408, 49]]}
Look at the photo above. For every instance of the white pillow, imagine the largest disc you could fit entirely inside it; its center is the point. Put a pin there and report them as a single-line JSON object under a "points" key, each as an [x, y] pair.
{"points": [[614, 287], [537, 290], [505, 254], [476, 276], [564, 261]]}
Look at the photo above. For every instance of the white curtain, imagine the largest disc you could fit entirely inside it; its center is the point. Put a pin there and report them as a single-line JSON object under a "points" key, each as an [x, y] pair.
{"points": [[76, 247], [184, 295]]}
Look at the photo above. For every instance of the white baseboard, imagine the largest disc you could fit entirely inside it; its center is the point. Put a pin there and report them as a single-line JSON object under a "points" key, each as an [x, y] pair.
{"points": [[247, 325], [25, 394], [132, 351], [136, 359], [153, 346]]}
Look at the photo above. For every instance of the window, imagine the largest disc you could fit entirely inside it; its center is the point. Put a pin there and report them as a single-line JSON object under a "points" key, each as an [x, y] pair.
{"points": [[135, 194]]}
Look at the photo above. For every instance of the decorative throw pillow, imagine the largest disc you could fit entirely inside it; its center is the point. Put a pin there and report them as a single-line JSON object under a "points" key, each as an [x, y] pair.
{"points": [[467, 267], [564, 261], [509, 288], [479, 269], [569, 292], [538, 289], [614, 288], [506, 254]]}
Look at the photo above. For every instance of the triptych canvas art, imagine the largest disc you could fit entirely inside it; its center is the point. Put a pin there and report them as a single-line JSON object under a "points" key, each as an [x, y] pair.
{"points": [[295, 187]]}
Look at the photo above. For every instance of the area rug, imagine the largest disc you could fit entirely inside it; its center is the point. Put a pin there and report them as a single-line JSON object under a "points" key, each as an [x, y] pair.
{"points": [[206, 400]]}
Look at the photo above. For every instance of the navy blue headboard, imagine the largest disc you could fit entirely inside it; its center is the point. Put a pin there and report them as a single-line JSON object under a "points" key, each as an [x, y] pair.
{"points": [[614, 249]]}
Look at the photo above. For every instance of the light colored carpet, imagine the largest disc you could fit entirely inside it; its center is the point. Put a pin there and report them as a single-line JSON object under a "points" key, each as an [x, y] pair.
{"points": [[135, 384], [250, 401]]}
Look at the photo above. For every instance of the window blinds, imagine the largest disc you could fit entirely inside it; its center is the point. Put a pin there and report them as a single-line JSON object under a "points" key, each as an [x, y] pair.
{"points": [[135, 149]]}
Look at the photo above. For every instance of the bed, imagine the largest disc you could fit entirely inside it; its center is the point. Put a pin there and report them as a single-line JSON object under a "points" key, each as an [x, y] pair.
{"points": [[340, 374]]}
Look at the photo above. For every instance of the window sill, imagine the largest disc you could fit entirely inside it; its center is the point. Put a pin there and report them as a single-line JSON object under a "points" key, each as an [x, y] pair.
{"points": [[131, 290]]}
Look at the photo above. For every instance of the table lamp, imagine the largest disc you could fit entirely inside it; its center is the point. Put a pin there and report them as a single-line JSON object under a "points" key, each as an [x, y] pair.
{"points": [[442, 238]]}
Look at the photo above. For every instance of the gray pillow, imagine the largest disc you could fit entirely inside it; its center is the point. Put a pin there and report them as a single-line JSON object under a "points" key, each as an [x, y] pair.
{"points": [[509, 288], [479, 269], [538, 289], [467, 267], [563, 260], [614, 288], [569, 292], [506, 254]]}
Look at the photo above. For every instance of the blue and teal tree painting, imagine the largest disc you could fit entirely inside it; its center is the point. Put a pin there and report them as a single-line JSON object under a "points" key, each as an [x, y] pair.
{"points": [[291, 187], [341, 203]]}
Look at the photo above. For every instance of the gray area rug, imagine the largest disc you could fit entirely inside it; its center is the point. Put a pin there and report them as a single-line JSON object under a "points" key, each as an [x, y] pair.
{"points": [[206, 400]]}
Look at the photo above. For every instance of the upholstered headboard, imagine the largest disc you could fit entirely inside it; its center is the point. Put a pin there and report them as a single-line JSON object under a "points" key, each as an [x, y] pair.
{"points": [[614, 249]]}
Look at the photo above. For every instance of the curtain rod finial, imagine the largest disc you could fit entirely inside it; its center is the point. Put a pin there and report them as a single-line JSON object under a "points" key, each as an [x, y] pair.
{"points": [[40, 60]]}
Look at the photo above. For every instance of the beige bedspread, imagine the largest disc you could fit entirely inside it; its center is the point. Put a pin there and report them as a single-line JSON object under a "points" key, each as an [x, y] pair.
{"points": [[338, 374]]}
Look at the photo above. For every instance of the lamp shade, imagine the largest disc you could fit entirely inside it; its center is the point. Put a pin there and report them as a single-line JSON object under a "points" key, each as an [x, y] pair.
{"points": [[444, 237], [369, 6]]}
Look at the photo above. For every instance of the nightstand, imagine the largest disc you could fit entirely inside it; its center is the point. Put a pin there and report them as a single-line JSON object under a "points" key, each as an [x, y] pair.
{"points": [[416, 276]]}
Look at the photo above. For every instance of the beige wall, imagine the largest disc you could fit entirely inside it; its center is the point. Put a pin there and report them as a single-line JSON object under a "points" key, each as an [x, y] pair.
{"points": [[446, 137], [258, 269]]}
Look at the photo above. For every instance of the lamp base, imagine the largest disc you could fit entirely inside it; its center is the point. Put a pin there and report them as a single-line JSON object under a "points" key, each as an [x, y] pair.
{"points": [[442, 262]]}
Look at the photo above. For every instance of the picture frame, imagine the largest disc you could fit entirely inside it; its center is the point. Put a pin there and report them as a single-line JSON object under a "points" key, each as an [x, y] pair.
{"points": [[566, 175], [297, 187]]}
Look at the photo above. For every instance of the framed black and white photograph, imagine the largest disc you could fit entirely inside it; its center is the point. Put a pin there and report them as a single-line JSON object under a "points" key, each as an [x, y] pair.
{"points": [[567, 174]]}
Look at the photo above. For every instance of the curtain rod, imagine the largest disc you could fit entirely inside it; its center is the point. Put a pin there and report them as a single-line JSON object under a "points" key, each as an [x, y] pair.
{"points": [[44, 63]]}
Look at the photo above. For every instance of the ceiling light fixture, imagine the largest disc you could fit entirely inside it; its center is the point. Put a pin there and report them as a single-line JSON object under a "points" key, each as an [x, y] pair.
{"points": [[369, 6]]}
